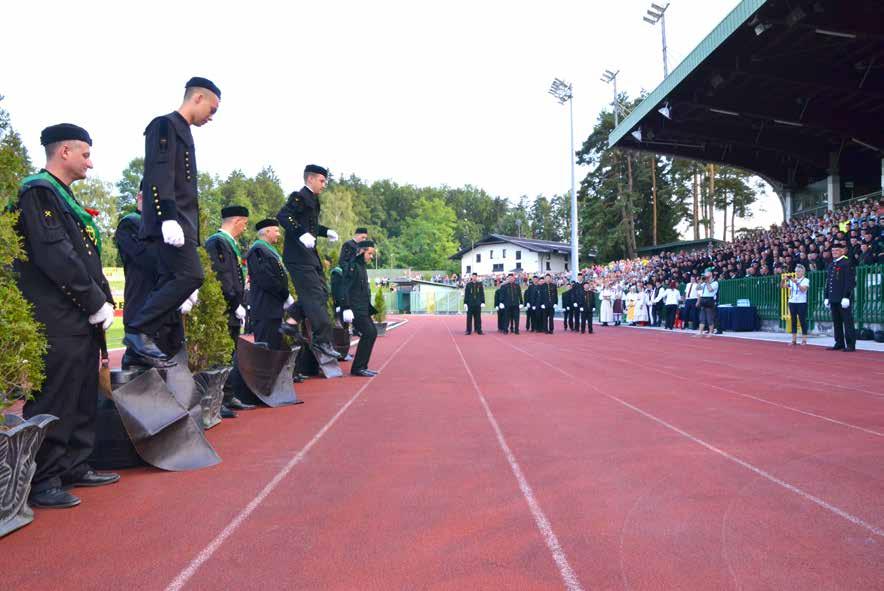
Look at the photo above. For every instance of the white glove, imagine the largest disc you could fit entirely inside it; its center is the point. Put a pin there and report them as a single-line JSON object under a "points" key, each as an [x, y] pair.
{"points": [[543, 306], [348, 316], [826, 302], [575, 305], [308, 239], [186, 307], [581, 309], [289, 301], [331, 235], [466, 307], [194, 298], [240, 313], [337, 309], [173, 235], [501, 306], [104, 316], [845, 303]]}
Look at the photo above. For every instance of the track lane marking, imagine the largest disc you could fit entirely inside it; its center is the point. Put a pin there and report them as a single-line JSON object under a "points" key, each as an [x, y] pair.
{"points": [[572, 583]]}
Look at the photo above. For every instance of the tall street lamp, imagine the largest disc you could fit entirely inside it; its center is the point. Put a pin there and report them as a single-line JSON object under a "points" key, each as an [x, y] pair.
{"points": [[610, 77], [657, 14], [562, 91]]}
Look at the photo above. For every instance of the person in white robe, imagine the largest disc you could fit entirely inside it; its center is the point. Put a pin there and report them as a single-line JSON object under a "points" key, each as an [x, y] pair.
{"points": [[606, 311]]}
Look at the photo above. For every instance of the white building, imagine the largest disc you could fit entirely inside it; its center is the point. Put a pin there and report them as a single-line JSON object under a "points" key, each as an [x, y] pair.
{"points": [[497, 254]]}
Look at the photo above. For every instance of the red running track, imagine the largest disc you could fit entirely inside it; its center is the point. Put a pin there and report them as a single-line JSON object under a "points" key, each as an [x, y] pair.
{"points": [[626, 459]]}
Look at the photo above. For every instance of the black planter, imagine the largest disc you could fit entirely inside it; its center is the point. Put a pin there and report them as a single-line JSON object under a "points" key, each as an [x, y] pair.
{"points": [[210, 385], [381, 328], [18, 448]]}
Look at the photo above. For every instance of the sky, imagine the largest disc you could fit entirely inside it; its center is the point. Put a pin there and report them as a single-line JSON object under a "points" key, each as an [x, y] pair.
{"points": [[443, 93]]}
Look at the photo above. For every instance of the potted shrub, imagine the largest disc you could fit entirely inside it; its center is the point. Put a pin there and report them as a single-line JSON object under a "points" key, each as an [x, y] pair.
{"points": [[380, 315], [208, 344], [21, 372]]}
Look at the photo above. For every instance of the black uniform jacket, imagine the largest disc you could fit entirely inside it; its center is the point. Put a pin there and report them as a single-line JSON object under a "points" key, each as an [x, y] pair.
{"points": [[62, 277], [298, 216], [512, 294], [268, 283], [139, 263], [474, 294], [529, 294], [227, 268], [840, 281], [356, 291], [170, 178]]}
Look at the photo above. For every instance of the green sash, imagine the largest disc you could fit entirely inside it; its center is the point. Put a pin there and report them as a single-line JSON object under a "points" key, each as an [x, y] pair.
{"points": [[235, 246], [84, 216], [270, 248]]}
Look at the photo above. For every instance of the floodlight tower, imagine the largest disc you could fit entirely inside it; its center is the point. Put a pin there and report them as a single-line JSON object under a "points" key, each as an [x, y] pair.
{"points": [[657, 14], [610, 77], [562, 91]]}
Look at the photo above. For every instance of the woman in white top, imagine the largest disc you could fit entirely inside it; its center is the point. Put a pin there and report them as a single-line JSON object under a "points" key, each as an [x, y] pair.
{"points": [[798, 287], [606, 312], [670, 298], [641, 310]]}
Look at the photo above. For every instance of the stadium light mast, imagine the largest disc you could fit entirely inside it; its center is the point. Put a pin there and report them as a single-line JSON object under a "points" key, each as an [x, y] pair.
{"points": [[657, 14], [562, 91], [610, 77]]}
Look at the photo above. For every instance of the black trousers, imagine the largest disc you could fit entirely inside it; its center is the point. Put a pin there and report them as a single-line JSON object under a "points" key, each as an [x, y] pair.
{"points": [[368, 333], [179, 275], [549, 319], [842, 319], [529, 318], [670, 315], [502, 321], [566, 316], [586, 320], [313, 297], [474, 314], [798, 312], [70, 392], [690, 313], [266, 330], [512, 313], [235, 384]]}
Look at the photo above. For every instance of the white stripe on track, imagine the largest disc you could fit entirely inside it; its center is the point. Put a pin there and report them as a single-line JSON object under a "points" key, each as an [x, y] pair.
{"points": [[206, 553], [572, 583], [766, 475]]}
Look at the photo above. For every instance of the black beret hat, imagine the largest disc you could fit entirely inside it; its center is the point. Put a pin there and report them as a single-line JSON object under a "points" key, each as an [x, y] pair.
{"points": [[62, 132], [365, 244], [361, 230], [315, 169], [265, 224], [232, 211], [198, 82]]}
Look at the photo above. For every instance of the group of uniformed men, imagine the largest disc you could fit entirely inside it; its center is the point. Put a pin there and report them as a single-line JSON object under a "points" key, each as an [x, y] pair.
{"points": [[63, 280], [539, 301]]}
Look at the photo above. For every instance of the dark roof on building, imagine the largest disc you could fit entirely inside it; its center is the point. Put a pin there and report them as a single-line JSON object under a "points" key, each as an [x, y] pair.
{"points": [[531, 244], [680, 245], [776, 88]]}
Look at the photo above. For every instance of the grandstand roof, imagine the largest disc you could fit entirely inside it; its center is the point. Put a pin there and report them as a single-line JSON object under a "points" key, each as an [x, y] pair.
{"points": [[680, 245], [776, 88]]}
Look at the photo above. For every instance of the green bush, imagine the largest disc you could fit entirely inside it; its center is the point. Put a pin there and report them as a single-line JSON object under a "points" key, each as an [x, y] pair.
{"points": [[208, 341], [380, 305], [22, 342]]}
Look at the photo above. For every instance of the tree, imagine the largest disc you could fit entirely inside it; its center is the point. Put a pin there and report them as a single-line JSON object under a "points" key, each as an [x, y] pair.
{"points": [[337, 214], [96, 194], [128, 185], [428, 238]]}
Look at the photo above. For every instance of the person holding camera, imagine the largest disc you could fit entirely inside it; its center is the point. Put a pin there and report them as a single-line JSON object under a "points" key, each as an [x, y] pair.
{"points": [[708, 298], [798, 286]]}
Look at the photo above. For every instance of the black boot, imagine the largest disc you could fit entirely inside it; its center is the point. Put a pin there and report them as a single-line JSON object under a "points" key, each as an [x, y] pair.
{"points": [[142, 346]]}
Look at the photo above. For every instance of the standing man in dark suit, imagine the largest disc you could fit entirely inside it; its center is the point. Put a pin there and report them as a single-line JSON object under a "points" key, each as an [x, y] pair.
{"points": [[268, 285], [170, 219], [348, 248], [567, 307], [529, 305], [300, 219], [357, 308], [500, 309], [587, 308], [229, 267], [512, 299], [473, 300], [840, 281], [550, 299], [63, 280]]}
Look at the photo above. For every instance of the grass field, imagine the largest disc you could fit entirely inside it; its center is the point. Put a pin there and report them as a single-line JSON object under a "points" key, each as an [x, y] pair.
{"points": [[115, 334]]}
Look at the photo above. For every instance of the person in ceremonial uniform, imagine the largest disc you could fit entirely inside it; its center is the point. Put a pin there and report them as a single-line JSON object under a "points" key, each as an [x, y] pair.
{"points": [[840, 282], [348, 248], [300, 219], [473, 300], [567, 307], [63, 280], [587, 307], [357, 306], [500, 309], [538, 306], [512, 300], [229, 267], [551, 293], [170, 218], [139, 268], [529, 305], [268, 285]]}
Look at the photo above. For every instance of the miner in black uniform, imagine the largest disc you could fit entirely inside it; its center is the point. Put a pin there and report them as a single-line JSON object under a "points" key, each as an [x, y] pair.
{"points": [[348, 248], [139, 267], [548, 298], [170, 219], [500, 309], [567, 307], [512, 299], [473, 300], [531, 323], [840, 281], [300, 219], [63, 280], [268, 285], [356, 306], [228, 265], [338, 293], [587, 307]]}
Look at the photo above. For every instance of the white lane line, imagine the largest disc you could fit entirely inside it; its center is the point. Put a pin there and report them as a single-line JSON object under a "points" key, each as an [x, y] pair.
{"points": [[766, 475], [185, 575], [572, 583]]}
